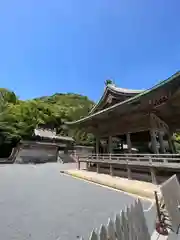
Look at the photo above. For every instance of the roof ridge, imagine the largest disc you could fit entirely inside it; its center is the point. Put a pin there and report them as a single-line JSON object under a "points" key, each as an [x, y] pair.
{"points": [[177, 74], [124, 90]]}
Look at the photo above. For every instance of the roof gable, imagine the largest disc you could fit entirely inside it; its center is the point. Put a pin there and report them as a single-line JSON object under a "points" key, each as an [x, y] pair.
{"points": [[113, 95], [172, 84]]}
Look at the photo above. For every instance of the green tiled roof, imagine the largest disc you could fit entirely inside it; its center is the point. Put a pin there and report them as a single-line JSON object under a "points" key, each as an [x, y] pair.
{"points": [[128, 101]]}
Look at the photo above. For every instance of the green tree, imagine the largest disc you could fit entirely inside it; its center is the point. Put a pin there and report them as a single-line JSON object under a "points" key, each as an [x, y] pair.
{"points": [[19, 118]]}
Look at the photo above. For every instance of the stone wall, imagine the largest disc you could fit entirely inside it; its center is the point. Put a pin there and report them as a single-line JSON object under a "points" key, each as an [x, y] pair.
{"points": [[37, 152], [83, 150]]}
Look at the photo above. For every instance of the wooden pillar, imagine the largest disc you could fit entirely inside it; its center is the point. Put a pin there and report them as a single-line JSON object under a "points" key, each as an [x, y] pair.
{"points": [[104, 146], [154, 141], [171, 144], [97, 167], [87, 165], [161, 142], [97, 145], [110, 144], [111, 170], [129, 174], [128, 140], [79, 164], [121, 144], [153, 175]]}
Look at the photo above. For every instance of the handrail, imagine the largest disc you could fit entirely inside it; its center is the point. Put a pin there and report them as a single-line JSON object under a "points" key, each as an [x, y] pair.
{"points": [[132, 158], [137, 154], [133, 154], [138, 158]]}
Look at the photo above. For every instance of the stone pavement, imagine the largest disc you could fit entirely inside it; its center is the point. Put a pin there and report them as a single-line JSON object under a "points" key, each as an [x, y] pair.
{"points": [[140, 188], [37, 202]]}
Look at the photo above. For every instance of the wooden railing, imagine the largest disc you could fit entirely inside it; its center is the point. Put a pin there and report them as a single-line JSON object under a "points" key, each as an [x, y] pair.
{"points": [[131, 162], [147, 159]]}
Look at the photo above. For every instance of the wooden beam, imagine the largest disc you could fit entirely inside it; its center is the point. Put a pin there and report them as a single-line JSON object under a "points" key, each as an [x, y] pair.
{"points": [[118, 125], [123, 131], [117, 128], [157, 123]]}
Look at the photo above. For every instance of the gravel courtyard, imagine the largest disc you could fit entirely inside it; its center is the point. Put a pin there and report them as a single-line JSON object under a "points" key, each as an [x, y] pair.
{"points": [[39, 203]]}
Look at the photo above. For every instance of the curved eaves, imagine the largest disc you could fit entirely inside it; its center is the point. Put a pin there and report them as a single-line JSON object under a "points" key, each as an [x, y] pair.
{"points": [[111, 88], [123, 91], [100, 101], [128, 101]]}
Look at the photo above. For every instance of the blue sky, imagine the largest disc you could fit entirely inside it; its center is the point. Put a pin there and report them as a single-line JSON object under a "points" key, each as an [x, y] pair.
{"points": [[49, 46]]}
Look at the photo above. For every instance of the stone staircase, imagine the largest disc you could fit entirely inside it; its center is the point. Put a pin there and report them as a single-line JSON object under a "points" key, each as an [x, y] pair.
{"points": [[66, 158]]}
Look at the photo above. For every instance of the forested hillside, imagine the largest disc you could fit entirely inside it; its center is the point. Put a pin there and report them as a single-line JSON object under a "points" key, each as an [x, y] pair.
{"points": [[19, 118]]}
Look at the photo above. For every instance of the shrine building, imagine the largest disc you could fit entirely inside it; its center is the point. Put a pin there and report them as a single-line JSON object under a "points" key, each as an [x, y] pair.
{"points": [[135, 118]]}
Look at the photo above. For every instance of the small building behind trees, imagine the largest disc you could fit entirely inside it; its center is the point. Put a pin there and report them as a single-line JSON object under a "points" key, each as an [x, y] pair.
{"points": [[44, 146]]}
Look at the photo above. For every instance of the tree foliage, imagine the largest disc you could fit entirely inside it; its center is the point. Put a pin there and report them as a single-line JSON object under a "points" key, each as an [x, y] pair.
{"points": [[19, 118]]}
